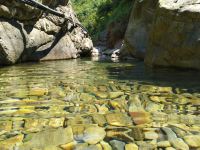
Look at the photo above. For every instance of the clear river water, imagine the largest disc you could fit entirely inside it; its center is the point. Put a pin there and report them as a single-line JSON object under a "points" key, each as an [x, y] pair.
{"points": [[98, 105]]}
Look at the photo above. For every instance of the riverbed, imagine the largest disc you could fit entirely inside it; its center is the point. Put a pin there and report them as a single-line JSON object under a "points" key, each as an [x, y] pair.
{"points": [[96, 105]]}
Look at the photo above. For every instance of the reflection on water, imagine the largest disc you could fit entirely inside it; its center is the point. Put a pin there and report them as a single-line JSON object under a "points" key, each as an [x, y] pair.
{"points": [[86, 105]]}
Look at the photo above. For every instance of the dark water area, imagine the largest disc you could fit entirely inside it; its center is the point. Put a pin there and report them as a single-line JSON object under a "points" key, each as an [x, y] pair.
{"points": [[86, 105]]}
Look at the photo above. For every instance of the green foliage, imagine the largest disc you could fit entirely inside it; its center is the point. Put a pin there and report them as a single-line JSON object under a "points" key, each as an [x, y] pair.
{"points": [[96, 15]]}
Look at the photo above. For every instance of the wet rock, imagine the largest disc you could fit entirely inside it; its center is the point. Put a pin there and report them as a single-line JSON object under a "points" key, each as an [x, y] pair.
{"points": [[50, 137], [102, 109], [118, 105], [78, 131], [102, 88], [179, 132], [38, 92], [175, 142], [153, 107], [105, 146], [32, 125], [179, 144], [117, 145], [102, 95], [131, 146], [68, 146], [192, 140], [158, 99], [96, 51], [148, 88], [135, 103], [164, 90], [114, 95], [89, 109], [99, 119], [56, 122], [86, 97], [76, 120], [150, 135], [118, 119], [140, 117], [11, 142], [146, 146], [81, 146], [93, 135], [99, 147], [137, 133], [163, 144], [119, 135]]}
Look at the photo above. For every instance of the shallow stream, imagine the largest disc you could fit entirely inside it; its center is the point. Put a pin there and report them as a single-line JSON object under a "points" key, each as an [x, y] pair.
{"points": [[98, 105]]}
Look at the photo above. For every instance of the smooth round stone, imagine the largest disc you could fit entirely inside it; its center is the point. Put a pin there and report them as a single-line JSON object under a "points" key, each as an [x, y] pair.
{"points": [[68, 146], [179, 144], [118, 119], [150, 135], [38, 91], [117, 145], [102, 95], [99, 147], [192, 140], [99, 119], [141, 117], [131, 146], [114, 95], [105, 146], [163, 144], [93, 135]]}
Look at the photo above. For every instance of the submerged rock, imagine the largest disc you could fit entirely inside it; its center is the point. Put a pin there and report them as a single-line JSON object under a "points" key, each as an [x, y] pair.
{"points": [[93, 135], [192, 140], [118, 119], [117, 145], [131, 146], [49, 137], [141, 117]]}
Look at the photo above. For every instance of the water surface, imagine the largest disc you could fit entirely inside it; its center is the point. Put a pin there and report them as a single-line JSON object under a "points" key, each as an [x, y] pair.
{"points": [[87, 104]]}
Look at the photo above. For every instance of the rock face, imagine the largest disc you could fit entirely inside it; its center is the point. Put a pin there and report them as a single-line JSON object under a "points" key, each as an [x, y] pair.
{"points": [[29, 34], [165, 33]]}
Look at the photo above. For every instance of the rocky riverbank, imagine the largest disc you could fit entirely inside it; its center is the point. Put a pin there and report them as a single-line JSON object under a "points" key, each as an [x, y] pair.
{"points": [[29, 34], [164, 33]]}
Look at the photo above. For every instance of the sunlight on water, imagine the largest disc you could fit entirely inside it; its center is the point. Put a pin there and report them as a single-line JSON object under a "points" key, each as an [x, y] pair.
{"points": [[87, 105]]}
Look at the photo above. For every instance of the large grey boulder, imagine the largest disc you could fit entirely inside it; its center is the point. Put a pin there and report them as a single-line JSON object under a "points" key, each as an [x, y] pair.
{"points": [[165, 33], [36, 36], [11, 42]]}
